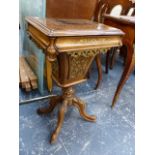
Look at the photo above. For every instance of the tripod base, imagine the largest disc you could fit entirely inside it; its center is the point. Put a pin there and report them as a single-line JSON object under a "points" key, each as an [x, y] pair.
{"points": [[68, 98]]}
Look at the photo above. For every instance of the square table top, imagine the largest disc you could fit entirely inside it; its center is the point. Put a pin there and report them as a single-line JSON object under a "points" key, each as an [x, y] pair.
{"points": [[71, 27]]}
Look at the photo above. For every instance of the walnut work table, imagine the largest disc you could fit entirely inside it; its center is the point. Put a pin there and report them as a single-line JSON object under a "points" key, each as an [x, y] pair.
{"points": [[70, 45], [127, 25]]}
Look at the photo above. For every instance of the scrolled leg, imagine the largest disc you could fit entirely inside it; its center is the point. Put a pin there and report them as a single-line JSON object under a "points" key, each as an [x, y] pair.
{"points": [[113, 57], [81, 107], [99, 68], [130, 63], [50, 108], [61, 115], [107, 62]]}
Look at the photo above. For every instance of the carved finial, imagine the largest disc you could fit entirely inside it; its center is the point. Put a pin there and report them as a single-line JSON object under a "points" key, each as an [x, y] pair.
{"points": [[51, 51]]}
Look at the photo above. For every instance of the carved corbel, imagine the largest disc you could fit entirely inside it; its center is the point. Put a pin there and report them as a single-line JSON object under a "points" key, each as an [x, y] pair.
{"points": [[51, 55], [51, 51]]}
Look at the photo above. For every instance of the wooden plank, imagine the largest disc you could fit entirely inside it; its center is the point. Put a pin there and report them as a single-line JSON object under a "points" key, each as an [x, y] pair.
{"points": [[27, 87], [34, 84], [23, 75], [32, 77], [19, 79]]}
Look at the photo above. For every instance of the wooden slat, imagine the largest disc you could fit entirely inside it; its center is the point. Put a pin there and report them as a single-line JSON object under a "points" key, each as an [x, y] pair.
{"points": [[19, 79], [27, 87], [23, 75], [32, 77]]}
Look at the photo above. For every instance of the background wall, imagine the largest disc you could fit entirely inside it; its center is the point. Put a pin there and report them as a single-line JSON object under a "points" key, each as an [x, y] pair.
{"points": [[27, 48]]}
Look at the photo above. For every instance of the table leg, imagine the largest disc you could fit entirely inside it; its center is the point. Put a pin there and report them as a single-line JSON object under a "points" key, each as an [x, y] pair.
{"points": [[81, 107], [99, 68], [49, 75], [113, 57], [54, 101], [127, 71], [107, 62], [61, 116]]}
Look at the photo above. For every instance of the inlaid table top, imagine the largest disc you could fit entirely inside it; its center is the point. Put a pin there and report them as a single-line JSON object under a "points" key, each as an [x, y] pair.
{"points": [[72, 34], [71, 27]]}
